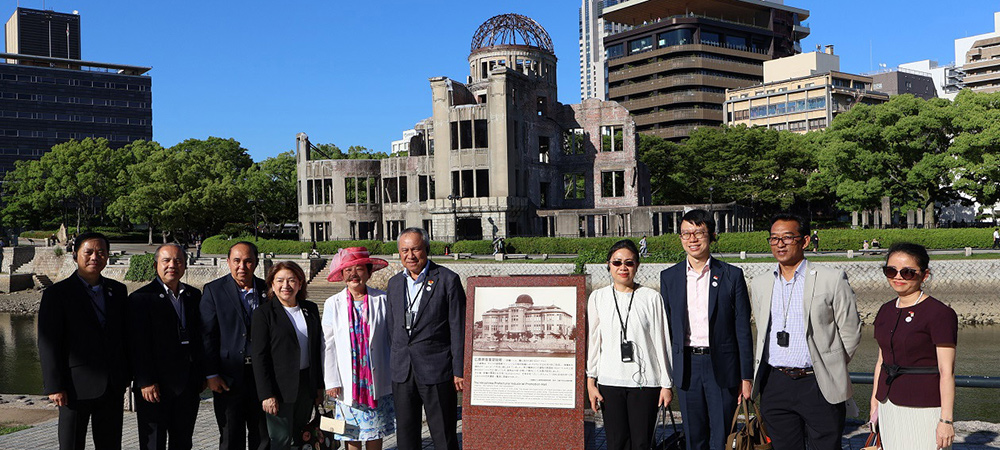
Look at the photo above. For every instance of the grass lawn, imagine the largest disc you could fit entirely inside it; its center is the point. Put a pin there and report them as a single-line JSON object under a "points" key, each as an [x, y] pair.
{"points": [[7, 428]]}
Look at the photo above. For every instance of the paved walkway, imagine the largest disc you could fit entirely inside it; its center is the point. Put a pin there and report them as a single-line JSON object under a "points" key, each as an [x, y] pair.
{"points": [[985, 436]]}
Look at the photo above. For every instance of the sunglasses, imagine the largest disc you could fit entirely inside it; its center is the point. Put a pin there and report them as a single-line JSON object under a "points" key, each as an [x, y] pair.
{"points": [[627, 262], [906, 272]]}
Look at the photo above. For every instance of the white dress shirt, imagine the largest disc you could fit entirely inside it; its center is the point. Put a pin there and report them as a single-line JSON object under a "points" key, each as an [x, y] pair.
{"points": [[646, 328]]}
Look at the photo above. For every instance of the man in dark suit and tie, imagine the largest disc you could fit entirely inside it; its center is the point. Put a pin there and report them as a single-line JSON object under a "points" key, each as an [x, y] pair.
{"points": [[708, 311], [226, 310], [81, 343], [166, 349], [426, 323]]}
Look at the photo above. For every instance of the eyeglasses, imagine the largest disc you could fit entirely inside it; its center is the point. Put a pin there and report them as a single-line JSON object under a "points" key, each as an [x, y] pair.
{"points": [[787, 240], [907, 273], [688, 235], [627, 262]]}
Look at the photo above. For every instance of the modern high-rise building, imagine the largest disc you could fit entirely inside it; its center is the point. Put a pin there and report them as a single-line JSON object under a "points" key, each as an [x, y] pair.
{"points": [[672, 61], [593, 73], [981, 61], [47, 100]]}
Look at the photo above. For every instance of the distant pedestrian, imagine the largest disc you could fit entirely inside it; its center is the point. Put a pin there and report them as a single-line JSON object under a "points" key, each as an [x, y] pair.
{"points": [[996, 238], [643, 247], [497, 245], [815, 241]]}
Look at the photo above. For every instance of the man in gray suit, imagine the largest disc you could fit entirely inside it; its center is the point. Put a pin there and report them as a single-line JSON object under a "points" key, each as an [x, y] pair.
{"points": [[807, 331]]}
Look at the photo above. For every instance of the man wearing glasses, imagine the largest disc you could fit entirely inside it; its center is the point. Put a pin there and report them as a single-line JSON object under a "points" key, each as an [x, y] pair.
{"points": [[709, 316], [807, 331]]}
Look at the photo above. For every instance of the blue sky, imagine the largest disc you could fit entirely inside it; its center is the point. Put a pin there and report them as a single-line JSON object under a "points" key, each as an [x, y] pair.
{"points": [[355, 73]]}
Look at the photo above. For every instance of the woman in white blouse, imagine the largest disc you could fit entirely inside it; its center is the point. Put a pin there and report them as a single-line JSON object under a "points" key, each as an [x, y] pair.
{"points": [[628, 373]]}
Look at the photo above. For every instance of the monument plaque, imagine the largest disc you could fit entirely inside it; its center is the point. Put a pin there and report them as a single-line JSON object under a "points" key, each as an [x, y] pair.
{"points": [[524, 363]]}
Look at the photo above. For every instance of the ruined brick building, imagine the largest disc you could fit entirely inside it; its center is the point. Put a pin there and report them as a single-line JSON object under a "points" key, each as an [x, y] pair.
{"points": [[499, 156]]}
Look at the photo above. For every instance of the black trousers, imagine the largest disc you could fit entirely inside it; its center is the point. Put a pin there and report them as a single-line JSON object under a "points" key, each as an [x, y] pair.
{"points": [[104, 414], [173, 416], [241, 416], [440, 404], [629, 416], [795, 412]]}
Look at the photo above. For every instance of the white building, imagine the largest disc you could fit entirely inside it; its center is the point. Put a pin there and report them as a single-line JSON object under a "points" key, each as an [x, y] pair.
{"points": [[523, 316], [593, 29], [402, 145]]}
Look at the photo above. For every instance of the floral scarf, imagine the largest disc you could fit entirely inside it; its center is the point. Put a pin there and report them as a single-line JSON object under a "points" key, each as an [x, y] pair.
{"points": [[360, 360]]}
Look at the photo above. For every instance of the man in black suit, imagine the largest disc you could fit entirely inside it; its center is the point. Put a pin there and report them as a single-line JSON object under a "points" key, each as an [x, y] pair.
{"points": [[426, 324], [226, 310], [81, 343], [165, 344], [708, 312]]}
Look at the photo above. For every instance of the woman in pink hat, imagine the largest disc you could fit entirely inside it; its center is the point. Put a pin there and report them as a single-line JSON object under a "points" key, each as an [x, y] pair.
{"points": [[357, 351]]}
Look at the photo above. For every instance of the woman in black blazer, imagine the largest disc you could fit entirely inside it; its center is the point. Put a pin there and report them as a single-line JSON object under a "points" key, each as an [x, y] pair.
{"points": [[287, 340]]}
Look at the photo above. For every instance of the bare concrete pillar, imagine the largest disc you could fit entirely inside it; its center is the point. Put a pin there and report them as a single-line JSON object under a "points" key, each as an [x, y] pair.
{"points": [[886, 214], [854, 219], [910, 217], [864, 219], [920, 216]]}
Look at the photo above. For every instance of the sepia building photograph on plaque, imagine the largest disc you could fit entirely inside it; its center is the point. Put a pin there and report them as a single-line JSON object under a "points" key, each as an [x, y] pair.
{"points": [[524, 340]]}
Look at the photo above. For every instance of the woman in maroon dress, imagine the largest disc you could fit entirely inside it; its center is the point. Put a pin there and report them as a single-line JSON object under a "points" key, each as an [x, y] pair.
{"points": [[914, 395]]}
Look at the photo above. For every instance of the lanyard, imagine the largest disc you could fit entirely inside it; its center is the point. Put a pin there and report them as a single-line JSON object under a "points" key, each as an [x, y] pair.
{"points": [[623, 322], [787, 298], [411, 301]]}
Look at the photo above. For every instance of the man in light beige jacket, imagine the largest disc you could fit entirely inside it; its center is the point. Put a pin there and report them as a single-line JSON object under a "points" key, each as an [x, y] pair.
{"points": [[807, 331]]}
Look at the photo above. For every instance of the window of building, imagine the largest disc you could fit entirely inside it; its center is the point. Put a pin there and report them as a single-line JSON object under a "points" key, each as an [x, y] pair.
{"points": [[394, 189], [816, 103], [482, 183], [465, 134], [612, 138], [815, 124], [320, 231], [481, 133], [675, 37], [350, 192], [574, 186], [543, 194], [736, 42], [573, 140], [615, 51], [613, 183], [454, 135], [797, 126], [394, 227], [543, 149], [640, 45], [710, 38]]}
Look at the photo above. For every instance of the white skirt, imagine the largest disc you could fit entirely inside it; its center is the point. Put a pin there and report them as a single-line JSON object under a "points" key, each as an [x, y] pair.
{"points": [[908, 428]]}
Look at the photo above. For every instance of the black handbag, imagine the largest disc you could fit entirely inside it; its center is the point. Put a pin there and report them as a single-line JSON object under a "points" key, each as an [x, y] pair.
{"points": [[673, 442], [313, 438]]}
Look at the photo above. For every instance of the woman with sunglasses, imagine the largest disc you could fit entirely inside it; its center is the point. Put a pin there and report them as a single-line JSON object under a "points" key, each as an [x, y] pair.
{"points": [[914, 395], [627, 357]]}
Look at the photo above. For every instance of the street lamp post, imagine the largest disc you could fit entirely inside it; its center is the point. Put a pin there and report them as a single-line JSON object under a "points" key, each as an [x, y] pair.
{"points": [[254, 218]]}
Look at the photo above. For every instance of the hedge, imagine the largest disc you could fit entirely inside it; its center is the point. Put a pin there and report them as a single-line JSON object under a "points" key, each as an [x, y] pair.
{"points": [[219, 245], [663, 248], [141, 267]]}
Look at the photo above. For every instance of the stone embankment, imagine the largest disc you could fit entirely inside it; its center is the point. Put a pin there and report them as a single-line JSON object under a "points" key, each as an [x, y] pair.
{"points": [[969, 286]]}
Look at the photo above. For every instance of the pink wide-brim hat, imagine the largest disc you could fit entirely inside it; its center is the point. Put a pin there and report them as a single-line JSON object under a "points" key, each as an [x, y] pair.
{"points": [[353, 256]]}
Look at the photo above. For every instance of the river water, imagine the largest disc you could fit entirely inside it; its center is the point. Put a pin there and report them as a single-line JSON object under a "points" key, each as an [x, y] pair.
{"points": [[978, 354]]}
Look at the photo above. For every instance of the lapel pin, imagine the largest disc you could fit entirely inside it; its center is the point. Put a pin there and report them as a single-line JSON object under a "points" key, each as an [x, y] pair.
{"points": [[428, 288], [161, 295], [910, 317], [715, 284]]}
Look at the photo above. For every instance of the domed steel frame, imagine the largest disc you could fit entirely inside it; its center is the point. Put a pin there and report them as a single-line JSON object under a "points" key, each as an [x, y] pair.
{"points": [[505, 29]]}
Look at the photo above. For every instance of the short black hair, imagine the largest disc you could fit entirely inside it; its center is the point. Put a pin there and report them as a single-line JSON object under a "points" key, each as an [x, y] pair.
{"points": [[627, 244], [701, 217], [90, 235], [250, 245], [791, 217], [917, 251]]}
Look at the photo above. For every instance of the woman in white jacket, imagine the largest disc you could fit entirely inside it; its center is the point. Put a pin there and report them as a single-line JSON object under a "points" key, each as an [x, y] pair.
{"points": [[356, 361]]}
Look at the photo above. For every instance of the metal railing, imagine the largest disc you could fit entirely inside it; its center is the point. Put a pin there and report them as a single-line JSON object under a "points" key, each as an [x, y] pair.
{"points": [[967, 381]]}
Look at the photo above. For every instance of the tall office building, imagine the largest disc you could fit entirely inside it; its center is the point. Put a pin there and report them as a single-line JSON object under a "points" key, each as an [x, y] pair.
{"points": [[49, 95], [671, 62], [980, 61], [593, 74]]}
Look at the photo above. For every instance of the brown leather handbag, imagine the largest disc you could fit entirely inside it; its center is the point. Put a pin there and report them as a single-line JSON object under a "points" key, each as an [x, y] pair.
{"points": [[874, 441], [752, 436]]}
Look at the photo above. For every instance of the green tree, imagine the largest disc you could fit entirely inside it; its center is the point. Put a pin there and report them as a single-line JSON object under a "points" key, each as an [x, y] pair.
{"points": [[977, 124], [141, 202], [81, 175], [196, 185], [331, 151], [272, 182], [901, 149]]}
